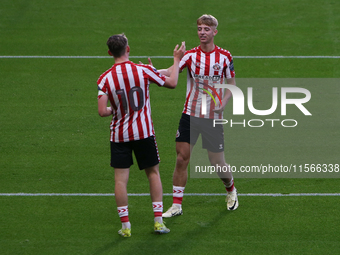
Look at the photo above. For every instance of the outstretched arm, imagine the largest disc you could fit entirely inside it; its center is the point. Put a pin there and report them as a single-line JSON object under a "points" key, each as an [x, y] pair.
{"points": [[166, 72]]}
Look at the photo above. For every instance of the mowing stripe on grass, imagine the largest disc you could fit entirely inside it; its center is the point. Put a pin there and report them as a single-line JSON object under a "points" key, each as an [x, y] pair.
{"points": [[165, 57], [166, 194]]}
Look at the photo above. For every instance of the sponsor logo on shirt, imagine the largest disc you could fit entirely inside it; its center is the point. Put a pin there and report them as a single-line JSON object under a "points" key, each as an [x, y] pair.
{"points": [[206, 77]]}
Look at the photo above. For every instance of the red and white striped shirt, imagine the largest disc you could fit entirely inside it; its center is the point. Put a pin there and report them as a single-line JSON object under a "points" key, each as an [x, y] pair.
{"points": [[204, 70], [127, 86]]}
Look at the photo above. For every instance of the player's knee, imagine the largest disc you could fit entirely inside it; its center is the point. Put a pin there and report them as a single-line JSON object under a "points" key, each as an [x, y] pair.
{"points": [[217, 161], [152, 171], [182, 160]]}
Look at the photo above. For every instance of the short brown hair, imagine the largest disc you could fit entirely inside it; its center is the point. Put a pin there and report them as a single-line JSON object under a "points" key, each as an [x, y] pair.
{"points": [[207, 19], [117, 44]]}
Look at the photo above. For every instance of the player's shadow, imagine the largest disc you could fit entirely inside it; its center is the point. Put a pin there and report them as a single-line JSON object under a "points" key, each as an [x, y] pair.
{"points": [[196, 232]]}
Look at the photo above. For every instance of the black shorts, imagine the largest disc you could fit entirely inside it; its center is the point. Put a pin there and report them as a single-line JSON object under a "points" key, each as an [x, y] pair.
{"points": [[146, 153], [191, 127]]}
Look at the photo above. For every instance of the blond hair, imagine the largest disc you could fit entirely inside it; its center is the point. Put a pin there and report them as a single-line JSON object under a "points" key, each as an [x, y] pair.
{"points": [[208, 20]]}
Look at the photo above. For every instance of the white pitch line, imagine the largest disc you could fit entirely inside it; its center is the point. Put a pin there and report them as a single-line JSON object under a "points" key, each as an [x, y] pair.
{"points": [[255, 57], [167, 194]]}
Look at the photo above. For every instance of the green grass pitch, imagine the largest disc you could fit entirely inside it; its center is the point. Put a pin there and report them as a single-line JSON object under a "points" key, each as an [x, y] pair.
{"points": [[53, 141]]}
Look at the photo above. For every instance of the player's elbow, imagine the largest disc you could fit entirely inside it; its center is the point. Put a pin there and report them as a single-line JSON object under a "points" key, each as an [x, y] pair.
{"points": [[102, 113], [170, 86], [170, 83]]}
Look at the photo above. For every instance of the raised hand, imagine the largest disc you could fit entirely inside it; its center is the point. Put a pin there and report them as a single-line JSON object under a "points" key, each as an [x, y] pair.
{"points": [[179, 52], [149, 60]]}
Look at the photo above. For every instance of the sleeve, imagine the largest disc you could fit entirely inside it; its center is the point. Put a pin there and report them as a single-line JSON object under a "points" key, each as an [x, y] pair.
{"points": [[101, 93], [102, 87], [184, 61], [229, 69], [153, 75]]}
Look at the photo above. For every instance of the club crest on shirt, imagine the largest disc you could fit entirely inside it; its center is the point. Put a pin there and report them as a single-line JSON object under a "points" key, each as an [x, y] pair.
{"points": [[216, 67]]}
